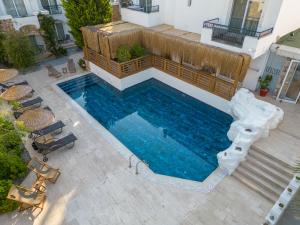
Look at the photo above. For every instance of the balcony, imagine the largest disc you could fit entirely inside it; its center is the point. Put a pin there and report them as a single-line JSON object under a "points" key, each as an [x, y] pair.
{"points": [[146, 6], [53, 9], [236, 39], [142, 12]]}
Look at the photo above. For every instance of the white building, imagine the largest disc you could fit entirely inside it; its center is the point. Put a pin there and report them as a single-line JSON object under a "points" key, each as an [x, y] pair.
{"points": [[248, 26], [22, 14]]}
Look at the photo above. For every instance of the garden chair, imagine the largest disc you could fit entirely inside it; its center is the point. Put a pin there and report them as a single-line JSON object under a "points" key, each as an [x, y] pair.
{"points": [[43, 171], [71, 66], [55, 144], [27, 198], [52, 72]]}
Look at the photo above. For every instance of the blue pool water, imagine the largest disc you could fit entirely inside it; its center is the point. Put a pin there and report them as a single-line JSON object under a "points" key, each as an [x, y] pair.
{"points": [[175, 134]]}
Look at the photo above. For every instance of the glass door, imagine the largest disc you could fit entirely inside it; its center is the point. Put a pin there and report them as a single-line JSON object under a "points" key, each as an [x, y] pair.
{"points": [[60, 33], [253, 15], [245, 15], [290, 89], [238, 14]]}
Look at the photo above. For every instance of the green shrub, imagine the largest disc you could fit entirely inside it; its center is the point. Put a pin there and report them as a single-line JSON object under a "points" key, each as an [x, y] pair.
{"points": [[11, 166], [123, 53], [19, 50], [11, 143], [5, 204], [137, 51]]}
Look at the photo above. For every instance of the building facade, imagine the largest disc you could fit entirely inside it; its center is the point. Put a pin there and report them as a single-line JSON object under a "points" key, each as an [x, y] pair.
{"points": [[246, 26], [22, 15]]}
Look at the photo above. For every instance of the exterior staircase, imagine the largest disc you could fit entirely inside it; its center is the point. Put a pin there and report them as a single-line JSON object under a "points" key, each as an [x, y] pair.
{"points": [[264, 173]]}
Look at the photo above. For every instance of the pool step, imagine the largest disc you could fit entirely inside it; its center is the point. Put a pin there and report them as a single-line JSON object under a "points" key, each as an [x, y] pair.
{"points": [[263, 173]]}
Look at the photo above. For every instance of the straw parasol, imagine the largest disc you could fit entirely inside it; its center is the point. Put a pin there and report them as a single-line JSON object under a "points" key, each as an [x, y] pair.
{"points": [[7, 74], [16, 92], [37, 119]]}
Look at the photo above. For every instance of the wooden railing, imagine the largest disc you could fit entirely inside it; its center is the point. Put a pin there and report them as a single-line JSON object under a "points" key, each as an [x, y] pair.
{"points": [[119, 70], [207, 81]]}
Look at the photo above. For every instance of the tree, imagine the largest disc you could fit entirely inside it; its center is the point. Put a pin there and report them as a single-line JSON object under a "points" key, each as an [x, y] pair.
{"points": [[82, 13], [19, 50], [47, 31]]}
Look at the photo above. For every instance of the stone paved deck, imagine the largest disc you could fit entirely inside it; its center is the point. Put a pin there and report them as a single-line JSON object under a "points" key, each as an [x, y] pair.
{"points": [[97, 187]]}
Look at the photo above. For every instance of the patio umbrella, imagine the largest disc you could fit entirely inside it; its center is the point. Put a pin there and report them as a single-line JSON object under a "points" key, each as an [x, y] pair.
{"points": [[7, 74], [17, 92], [37, 119]]}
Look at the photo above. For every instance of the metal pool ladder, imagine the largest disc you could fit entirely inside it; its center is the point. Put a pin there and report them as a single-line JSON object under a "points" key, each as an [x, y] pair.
{"points": [[137, 164]]}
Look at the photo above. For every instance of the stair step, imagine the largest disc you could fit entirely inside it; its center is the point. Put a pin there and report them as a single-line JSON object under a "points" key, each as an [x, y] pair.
{"points": [[252, 185], [259, 182], [264, 175], [280, 162], [272, 162], [274, 173]]}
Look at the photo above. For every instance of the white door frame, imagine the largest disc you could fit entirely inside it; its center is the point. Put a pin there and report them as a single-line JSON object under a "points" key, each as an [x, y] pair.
{"points": [[284, 80]]}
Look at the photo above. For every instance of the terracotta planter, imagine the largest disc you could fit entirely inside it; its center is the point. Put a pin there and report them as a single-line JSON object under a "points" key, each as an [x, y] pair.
{"points": [[263, 92]]}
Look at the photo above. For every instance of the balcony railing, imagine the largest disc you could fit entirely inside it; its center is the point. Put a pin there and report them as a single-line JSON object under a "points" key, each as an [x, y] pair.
{"points": [[232, 35], [53, 9], [147, 8]]}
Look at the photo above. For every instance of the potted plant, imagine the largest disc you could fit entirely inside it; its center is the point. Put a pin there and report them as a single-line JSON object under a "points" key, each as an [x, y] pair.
{"points": [[297, 179], [264, 85], [82, 64]]}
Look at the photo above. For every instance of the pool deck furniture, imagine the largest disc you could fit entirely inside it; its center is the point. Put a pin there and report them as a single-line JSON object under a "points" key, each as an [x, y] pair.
{"points": [[52, 72], [10, 84], [33, 103], [55, 144], [56, 128], [27, 198], [43, 171], [71, 66]]}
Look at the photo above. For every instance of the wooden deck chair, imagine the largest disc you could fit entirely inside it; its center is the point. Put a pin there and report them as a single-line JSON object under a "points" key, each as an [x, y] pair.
{"points": [[27, 198], [43, 171], [71, 66], [52, 72]]}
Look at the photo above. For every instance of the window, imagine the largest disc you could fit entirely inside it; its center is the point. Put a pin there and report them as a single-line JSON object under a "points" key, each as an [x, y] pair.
{"points": [[15, 8], [189, 3]]}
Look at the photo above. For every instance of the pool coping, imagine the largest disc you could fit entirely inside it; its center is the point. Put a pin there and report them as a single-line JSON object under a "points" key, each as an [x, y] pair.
{"points": [[144, 171]]}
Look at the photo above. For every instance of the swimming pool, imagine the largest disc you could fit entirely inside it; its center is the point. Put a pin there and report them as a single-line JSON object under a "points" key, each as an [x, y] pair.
{"points": [[175, 134]]}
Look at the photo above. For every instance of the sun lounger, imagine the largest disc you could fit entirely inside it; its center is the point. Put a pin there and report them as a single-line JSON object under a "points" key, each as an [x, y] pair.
{"points": [[34, 102], [4, 87], [55, 144], [52, 72], [43, 171], [71, 66], [10, 84], [27, 198], [53, 128]]}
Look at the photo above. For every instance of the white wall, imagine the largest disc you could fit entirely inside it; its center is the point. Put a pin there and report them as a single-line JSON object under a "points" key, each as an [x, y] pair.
{"points": [[141, 18], [255, 70], [289, 17]]}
